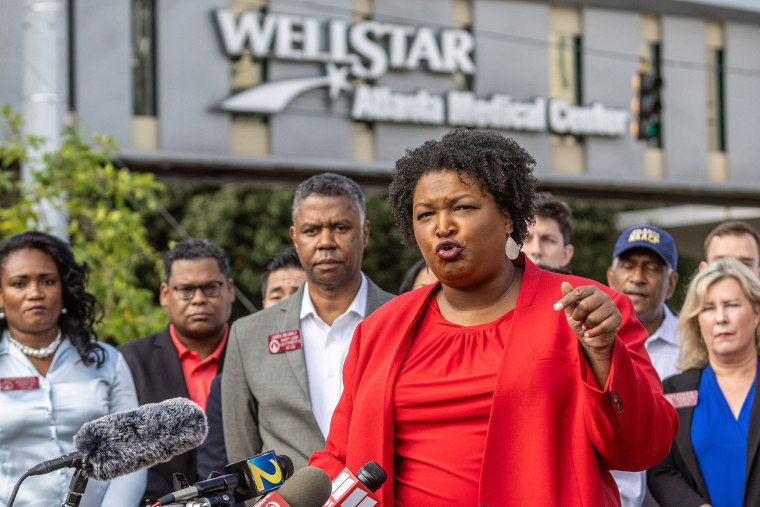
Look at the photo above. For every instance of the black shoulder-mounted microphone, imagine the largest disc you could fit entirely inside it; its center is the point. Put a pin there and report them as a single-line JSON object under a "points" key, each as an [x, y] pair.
{"points": [[247, 479]]}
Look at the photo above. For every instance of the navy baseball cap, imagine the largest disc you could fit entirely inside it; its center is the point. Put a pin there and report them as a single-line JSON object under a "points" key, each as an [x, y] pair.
{"points": [[649, 237]]}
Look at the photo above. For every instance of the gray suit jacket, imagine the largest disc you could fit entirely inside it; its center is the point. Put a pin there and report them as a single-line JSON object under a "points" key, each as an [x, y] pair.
{"points": [[265, 397]]}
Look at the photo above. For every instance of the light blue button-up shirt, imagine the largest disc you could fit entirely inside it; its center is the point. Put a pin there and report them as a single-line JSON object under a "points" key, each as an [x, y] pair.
{"points": [[39, 424]]}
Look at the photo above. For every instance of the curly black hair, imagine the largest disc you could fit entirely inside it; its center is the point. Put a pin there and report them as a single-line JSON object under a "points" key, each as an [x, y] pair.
{"points": [[82, 311], [497, 163]]}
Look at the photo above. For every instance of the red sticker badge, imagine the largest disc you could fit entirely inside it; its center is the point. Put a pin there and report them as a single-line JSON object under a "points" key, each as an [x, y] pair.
{"points": [[285, 342], [19, 383], [683, 399]]}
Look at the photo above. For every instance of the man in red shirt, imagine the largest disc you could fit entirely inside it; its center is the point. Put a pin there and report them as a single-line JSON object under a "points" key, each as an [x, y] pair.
{"points": [[184, 357]]}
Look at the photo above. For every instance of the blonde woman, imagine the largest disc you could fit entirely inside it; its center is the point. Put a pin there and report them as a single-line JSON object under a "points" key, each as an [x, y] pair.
{"points": [[713, 461]]}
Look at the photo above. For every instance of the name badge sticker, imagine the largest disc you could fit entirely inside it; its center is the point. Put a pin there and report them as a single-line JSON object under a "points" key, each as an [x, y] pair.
{"points": [[683, 399], [285, 342], [19, 383]]}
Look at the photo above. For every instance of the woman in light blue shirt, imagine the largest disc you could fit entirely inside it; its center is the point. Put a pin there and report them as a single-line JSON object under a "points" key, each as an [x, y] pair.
{"points": [[54, 376]]}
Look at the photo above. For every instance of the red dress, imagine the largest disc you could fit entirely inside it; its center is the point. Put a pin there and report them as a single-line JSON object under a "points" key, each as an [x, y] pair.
{"points": [[442, 402], [553, 434]]}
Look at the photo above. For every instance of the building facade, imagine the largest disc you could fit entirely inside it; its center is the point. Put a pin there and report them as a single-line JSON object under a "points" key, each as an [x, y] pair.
{"points": [[256, 90]]}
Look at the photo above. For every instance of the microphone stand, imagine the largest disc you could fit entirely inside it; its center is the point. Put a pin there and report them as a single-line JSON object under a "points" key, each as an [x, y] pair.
{"points": [[76, 488], [224, 499]]}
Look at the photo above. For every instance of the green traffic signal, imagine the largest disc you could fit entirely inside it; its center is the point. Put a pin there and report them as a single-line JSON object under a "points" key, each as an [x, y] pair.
{"points": [[647, 105]]}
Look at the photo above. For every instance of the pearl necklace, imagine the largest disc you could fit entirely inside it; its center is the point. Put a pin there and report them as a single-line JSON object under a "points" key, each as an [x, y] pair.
{"points": [[38, 353]]}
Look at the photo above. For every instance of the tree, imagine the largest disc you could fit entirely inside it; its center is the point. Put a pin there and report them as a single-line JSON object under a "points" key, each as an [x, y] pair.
{"points": [[105, 205], [251, 224]]}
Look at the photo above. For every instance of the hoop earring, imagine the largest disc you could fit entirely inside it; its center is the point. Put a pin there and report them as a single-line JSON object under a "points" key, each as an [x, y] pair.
{"points": [[511, 248]]}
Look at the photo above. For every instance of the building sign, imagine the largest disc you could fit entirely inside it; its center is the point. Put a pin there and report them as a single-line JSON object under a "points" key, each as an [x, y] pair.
{"points": [[370, 49]]}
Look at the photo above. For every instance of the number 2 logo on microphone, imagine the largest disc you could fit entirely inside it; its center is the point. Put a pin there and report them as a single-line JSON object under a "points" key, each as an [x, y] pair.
{"points": [[266, 472]]}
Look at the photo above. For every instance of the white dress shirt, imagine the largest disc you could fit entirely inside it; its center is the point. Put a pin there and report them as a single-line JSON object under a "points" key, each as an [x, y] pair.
{"points": [[662, 347], [326, 348], [39, 424]]}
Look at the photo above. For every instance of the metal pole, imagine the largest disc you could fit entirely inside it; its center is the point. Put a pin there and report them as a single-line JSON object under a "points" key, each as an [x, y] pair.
{"points": [[45, 104]]}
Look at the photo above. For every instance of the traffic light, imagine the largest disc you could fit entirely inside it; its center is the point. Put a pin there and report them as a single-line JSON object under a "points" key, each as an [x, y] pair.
{"points": [[646, 105]]}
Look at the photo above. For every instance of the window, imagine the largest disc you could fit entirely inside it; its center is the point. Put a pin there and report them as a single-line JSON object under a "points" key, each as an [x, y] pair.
{"points": [[566, 78], [566, 62], [70, 49], [565, 82], [144, 57], [462, 14], [651, 63], [716, 130]]}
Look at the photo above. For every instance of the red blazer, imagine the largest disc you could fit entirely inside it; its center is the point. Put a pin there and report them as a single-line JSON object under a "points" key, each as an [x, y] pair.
{"points": [[552, 435]]}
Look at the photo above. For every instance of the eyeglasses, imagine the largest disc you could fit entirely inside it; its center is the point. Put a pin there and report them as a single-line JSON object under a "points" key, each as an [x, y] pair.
{"points": [[210, 290]]}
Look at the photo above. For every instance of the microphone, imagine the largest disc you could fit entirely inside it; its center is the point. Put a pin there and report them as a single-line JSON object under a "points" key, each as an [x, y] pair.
{"points": [[248, 478], [349, 490], [309, 487], [127, 441]]}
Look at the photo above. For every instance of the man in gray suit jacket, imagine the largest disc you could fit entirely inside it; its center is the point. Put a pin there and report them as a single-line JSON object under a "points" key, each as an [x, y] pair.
{"points": [[283, 369]]}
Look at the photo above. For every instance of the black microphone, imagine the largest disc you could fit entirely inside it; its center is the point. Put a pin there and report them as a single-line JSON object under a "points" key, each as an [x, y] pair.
{"points": [[248, 479], [372, 475], [127, 441], [351, 490], [309, 487]]}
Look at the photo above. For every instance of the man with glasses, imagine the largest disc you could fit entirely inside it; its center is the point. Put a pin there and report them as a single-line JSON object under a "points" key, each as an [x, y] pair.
{"points": [[183, 358]]}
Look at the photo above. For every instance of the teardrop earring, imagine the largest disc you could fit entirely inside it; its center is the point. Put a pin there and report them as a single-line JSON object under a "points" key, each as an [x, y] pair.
{"points": [[2, 313], [511, 248]]}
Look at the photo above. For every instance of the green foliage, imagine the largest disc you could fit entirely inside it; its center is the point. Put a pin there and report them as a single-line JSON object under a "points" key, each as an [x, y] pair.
{"points": [[593, 239], [251, 224], [106, 228], [108, 208], [385, 258]]}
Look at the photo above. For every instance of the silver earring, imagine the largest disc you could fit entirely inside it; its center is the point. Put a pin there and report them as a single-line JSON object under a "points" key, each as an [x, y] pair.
{"points": [[64, 311], [2, 313], [511, 248]]}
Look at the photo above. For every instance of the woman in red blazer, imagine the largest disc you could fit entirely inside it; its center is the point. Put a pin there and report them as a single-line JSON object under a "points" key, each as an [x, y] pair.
{"points": [[502, 384]]}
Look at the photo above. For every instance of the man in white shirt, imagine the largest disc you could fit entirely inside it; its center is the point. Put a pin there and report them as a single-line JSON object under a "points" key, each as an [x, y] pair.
{"points": [[644, 265], [284, 364]]}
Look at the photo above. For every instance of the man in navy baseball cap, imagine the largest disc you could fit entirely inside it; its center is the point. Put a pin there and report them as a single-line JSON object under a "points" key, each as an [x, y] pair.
{"points": [[643, 267], [651, 238]]}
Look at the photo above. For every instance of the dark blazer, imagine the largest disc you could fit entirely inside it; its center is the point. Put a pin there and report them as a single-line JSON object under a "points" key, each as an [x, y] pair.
{"points": [[158, 376], [211, 454], [677, 481]]}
